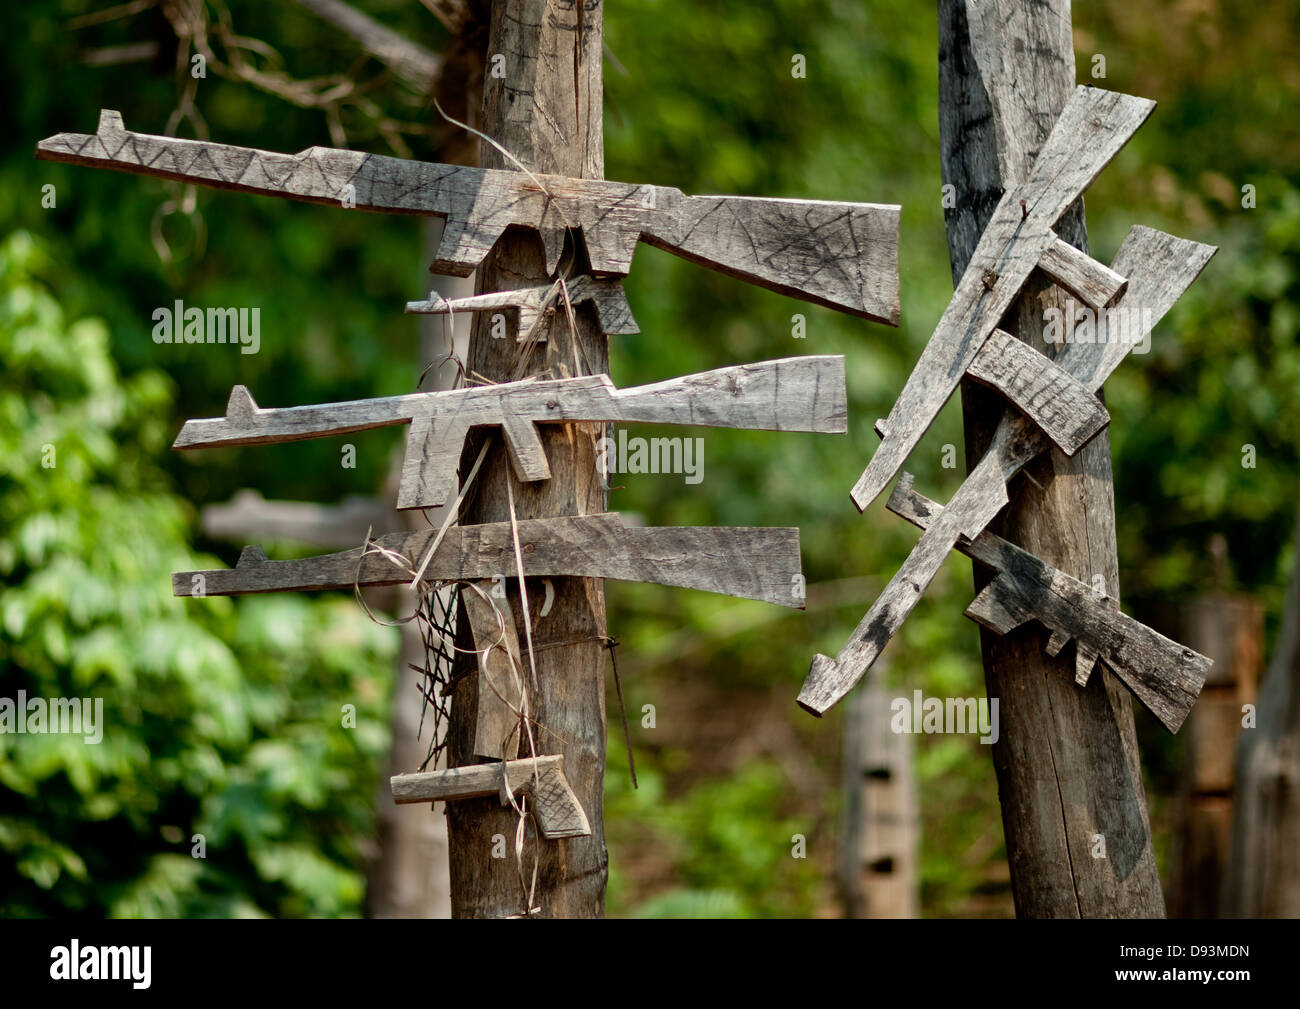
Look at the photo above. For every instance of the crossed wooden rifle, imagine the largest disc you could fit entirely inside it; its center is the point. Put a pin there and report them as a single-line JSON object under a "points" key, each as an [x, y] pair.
{"points": [[1056, 405]]}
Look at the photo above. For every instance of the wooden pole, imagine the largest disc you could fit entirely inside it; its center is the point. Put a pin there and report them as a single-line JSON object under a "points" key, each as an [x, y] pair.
{"points": [[879, 867], [543, 103], [1074, 813], [1229, 628], [1264, 872]]}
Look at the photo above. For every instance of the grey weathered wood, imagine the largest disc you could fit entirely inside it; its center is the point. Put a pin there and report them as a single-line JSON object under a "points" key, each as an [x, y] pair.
{"points": [[1229, 628], [559, 813], [607, 294], [750, 563], [499, 695], [1066, 761], [791, 394], [842, 255], [547, 110], [1165, 676], [1092, 283], [880, 833], [1264, 873], [1160, 268], [1062, 406], [1090, 131]]}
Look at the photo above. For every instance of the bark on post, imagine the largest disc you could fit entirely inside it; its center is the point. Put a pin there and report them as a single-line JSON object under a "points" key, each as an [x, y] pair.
{"points": [[1069, 779], [543, 103]]}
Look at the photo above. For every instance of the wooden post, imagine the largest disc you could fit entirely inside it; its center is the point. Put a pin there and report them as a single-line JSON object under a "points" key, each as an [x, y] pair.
{"points": [[1264, 873], [546, 110], [879, 864], [1229, 628], [1069, 779]]}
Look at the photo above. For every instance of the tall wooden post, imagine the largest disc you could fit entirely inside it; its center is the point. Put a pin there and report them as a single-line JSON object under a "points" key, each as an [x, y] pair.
{"points": [[1229, 628], [879, 839], [1073, 809], [1264, 875], [542, 102]]}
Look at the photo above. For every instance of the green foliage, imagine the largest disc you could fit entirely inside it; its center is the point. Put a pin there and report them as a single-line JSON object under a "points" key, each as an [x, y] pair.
{"points": [[729, 843], [219, 719]]}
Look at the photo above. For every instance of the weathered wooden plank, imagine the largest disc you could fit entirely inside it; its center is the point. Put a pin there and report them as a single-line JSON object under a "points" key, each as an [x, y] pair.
{"points": [[1165, 676], [1160, 268], [750, 563], [791, 394], [1063, 407], [499, 695], [842, 255], [1092, 283], [607, 294], [559, 813], [1091, 130]]}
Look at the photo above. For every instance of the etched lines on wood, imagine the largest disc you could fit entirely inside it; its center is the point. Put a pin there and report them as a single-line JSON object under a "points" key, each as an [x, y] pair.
{"points": [[1165, 676], [1092, 128], [1161, 267], [841, 255], [1064, 408], [791, 394], [749, 563], [559, 814]]}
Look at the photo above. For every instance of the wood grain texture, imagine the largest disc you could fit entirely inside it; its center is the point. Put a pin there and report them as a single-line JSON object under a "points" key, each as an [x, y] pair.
{"points": [[841, 255], [1162, 267], [500, 666], [749, 563], [1090, 131], [1165, 676], [558, 810], [1066, 761], [1088, 280], [606, 294], [791, 394], [1059, 404]]}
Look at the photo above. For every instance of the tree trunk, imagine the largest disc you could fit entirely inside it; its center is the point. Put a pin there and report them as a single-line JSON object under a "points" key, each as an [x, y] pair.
{"points": [[1067, 764], [1264, 876], [545, 108]]}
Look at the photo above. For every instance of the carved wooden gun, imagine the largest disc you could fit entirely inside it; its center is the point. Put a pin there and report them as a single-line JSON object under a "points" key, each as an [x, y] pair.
{"points": [[1091, 130], [1164, 675], [750, 563], [842, 255], [559, 813], [607, 295], [791, 394], [1160, 268]]}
